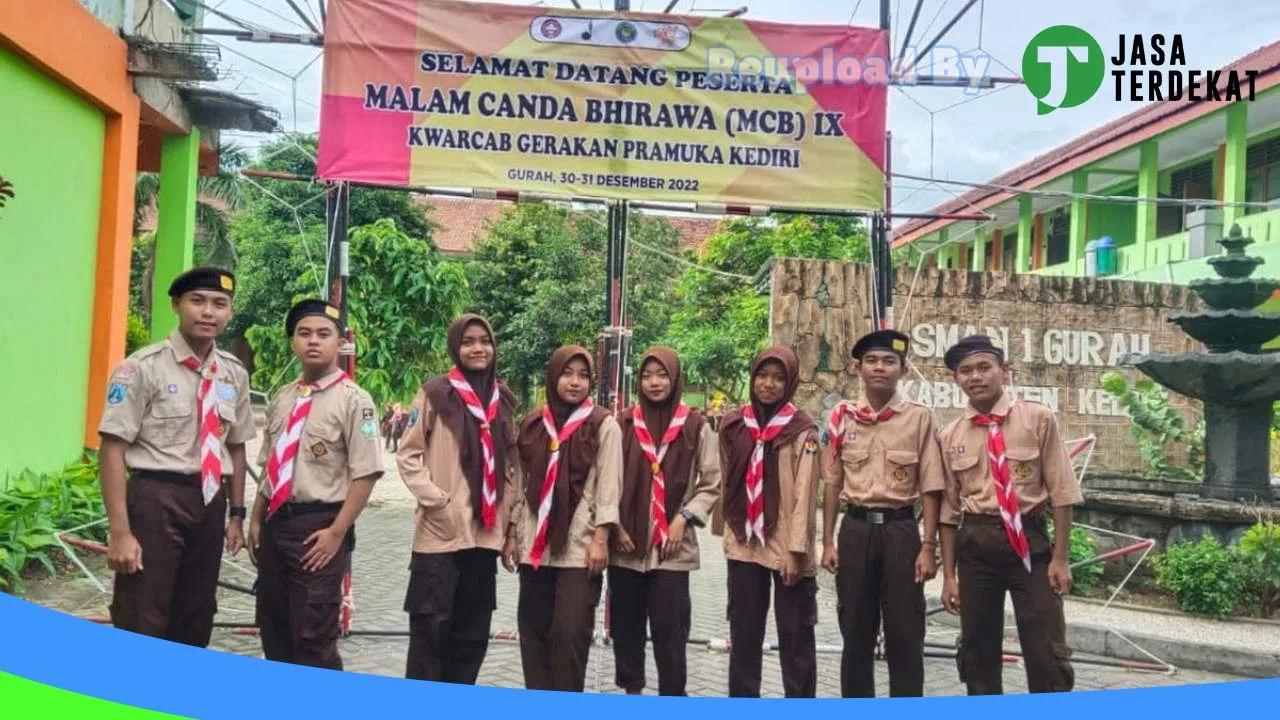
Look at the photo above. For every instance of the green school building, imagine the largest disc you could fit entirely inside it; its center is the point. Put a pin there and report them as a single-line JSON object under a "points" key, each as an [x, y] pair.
{"points": [[1229, 152]]}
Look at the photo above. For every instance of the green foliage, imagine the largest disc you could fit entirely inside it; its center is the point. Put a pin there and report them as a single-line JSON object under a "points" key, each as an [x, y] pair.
{"points": [[1084, 578], [721, 322], [33, 507], [402, 298], [136, 334], [1204, 577], [1158, 427], [1258, 557]]}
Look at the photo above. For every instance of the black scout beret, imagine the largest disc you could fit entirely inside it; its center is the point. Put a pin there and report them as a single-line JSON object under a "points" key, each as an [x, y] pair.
{"points": [[203, 278], [308, 308], [890, 340], [971, 345]]}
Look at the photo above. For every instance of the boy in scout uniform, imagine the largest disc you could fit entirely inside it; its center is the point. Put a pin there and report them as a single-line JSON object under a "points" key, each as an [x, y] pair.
{"points": [[1006, 464], [173, 434], [883, 457], [322, 455]]}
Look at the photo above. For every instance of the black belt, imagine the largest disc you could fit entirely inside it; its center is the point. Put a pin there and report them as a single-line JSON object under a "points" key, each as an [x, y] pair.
{"points": [[1038, 520], [293, 509], [880, 516], [177, 478]]}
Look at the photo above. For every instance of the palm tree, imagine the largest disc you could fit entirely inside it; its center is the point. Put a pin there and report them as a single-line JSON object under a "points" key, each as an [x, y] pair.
{"points": [[217, 198]]}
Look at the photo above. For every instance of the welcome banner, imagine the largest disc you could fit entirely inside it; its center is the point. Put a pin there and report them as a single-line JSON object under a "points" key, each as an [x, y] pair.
{"points": [[581, 103]]}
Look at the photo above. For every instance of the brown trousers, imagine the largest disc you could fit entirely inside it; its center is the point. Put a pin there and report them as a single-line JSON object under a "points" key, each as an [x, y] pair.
{"points": [[556, 617], [795, 614], [298, 611], [175, 596], [660, 600], [450, 601], [876, 579], [988, 568]]}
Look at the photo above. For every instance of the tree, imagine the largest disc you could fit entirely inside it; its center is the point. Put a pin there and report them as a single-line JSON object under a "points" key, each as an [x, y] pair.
{"points": [[721, 322], [402, 298], [539, 277]]}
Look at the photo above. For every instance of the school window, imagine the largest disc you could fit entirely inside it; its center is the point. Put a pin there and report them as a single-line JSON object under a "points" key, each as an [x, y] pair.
{"points": [[1009, 256], [988, 253], [1262, 174], [1194, 182], [1057, 237]]}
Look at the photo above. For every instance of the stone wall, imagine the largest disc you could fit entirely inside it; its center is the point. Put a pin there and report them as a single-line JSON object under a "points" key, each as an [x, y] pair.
{"points": [[1062, 335]]}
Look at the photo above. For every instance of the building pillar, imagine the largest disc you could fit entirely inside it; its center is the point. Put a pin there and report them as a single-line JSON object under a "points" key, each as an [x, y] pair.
{"points": [[1234, 159], [1026, 220], [1148, 189], [1079, 218], [976, 261], [176, 225]]}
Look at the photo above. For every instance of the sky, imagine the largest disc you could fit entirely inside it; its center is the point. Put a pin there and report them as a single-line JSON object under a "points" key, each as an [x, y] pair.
{"points": [[933, 134]]}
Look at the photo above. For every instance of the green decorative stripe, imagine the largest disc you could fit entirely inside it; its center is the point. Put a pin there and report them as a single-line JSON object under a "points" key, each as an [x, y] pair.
{"points": [[28, 699]]}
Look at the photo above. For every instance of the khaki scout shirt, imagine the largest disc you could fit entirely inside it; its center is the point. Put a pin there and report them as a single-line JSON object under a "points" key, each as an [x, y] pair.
{"points": [[796, 530], [1038, 462], [599, 505], [151, 405], [445, 519], [339, 441], [700, 495], [887, 464]]}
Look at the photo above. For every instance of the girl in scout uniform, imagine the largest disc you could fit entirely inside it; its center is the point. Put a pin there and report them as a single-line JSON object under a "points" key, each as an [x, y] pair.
{"points": [[571, 456], [771, 471], [670, 482], [321, 454], [458, 457]]}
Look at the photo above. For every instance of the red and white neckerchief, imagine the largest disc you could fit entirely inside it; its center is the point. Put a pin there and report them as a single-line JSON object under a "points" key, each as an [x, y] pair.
{"points": [[835, 425], [285, 454], [658, 495], [558, 438], [210, 435], [484, 416], [755, 469], [1010, 513]]}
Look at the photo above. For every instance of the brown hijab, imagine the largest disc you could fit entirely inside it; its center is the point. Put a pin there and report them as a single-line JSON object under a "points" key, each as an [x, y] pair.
{"points": [[736, 445], [455, 416], [637, 479], [577, 456]]}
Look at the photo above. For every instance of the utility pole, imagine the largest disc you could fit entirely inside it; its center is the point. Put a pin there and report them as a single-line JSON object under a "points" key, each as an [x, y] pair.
{"points": [[614, 349], [882, 262], [337, 205]]}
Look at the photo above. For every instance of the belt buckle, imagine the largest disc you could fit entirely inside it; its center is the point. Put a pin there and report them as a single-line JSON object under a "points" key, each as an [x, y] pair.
{"points": [[875, 517]]}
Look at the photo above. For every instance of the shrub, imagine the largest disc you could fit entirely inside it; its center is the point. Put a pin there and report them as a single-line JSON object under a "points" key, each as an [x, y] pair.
{"points": [[33, 507], [1204, 577], [1258, 558], [136, 335], [1084, 578]]}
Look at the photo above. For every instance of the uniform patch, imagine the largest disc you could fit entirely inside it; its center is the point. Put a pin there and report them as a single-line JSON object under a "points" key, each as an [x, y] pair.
{"points": [[319, 450], [1022, 470], [116, 393], [227, 392], [850, 436], [366, 414], [899, 474], [959, 449], [172, 388], [369, 428], [811, 446]]}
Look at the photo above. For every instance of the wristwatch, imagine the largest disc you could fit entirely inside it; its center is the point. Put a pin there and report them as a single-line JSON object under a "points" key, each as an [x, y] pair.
{"points": [[690, 518], [238, 511]]}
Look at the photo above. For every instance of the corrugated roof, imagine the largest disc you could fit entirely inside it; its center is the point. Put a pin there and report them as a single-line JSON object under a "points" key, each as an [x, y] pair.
{"points": [[1137, 124]]}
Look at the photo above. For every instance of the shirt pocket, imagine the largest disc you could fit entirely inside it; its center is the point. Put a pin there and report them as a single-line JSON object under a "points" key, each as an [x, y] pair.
{"points": [[322, 444], [1024, 465], [170, 422], [903, 469], [964, 468], [854, 460]]}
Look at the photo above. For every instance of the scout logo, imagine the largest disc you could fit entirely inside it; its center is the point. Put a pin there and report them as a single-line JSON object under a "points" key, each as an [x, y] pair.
{"points": [[116, 393], [319, 450], [172, 388], [551, 28], [227, 283], [369, 428], [1022, 470], [899, 474], [811, 446]]}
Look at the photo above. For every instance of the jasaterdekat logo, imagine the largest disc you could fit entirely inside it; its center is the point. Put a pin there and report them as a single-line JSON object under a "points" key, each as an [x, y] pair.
{"points": [[1063, 67]]}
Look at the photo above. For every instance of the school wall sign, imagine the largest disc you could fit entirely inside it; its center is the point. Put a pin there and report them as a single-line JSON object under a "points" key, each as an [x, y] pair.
{"points": [[1062, 334], [572, 102]]}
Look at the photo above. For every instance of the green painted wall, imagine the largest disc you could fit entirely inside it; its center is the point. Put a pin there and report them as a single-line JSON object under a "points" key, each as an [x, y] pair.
{"points": [[1119, 220], [51, 150]]}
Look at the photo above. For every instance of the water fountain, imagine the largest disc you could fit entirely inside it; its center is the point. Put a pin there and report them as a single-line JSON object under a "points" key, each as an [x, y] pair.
{"points": [[1236, 380]]}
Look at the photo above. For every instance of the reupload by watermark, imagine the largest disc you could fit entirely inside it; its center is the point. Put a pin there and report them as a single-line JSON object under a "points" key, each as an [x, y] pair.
{"points": [[949, 65]]}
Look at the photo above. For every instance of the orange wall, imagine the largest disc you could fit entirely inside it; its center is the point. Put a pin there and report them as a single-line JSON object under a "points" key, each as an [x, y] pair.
{"points": [[68, 43]]}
